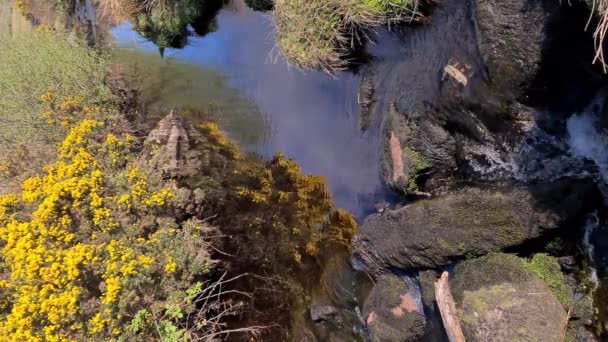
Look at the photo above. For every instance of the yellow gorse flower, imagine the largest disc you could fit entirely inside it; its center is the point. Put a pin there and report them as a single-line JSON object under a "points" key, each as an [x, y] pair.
{"points": [[73, 207]]}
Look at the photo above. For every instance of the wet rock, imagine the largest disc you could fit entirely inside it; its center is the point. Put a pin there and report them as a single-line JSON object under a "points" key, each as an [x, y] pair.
{"points": [[581, 322], [322, 313], [392, 312], [466, 223], [455, 111], [500, 299], [171, 147], [510, 38]]}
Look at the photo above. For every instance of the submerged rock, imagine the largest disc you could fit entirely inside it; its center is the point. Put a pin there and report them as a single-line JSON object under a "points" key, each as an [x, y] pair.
{"points": [[467, 223], [392, 312], [499, 298]]}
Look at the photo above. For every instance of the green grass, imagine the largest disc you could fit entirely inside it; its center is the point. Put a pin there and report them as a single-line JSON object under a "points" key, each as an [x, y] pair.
{"points": [[389, 5], [33, 64], [319, 34]]}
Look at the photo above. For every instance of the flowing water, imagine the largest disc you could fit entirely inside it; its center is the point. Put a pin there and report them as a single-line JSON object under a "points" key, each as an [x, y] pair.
{"points": [[315, 118], [269, 106]]}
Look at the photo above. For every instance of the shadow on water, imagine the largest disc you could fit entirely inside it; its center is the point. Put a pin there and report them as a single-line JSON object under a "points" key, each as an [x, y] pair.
{"points": [[311, 117]]}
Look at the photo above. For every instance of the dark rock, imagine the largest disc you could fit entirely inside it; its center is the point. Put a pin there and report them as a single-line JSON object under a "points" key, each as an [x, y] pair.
{"points": [[510, 36], [392, 311], [499, 298], [467, 223], [260, 5], [434, 328], [322, 313], [567, 263], [469, 124]]}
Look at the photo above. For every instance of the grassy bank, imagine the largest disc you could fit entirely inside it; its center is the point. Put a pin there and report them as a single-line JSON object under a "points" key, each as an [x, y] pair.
{"points": [[321, 34]]}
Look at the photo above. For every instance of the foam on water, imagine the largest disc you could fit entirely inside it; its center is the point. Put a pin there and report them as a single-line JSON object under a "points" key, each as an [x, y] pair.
{"points": [[588, 141], [591, 225]]}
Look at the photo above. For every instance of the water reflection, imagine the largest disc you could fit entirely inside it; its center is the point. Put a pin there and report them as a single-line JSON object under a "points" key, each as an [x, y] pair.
{"points": [[167, 83], [313, 117]]}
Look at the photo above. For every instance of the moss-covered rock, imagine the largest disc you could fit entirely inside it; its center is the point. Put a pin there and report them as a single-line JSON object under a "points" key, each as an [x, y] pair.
{"points": [[467, 223], [548, 270], [500, 298], [392, 312]]}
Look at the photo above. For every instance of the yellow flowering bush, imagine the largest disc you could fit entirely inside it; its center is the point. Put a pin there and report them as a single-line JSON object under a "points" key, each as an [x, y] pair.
{"points": [[278, 212], [85, 244]]}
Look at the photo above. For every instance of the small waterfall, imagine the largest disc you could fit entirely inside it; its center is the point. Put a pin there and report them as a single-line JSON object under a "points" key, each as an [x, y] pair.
{"points": [[588, 141], [591, 225], [413, 284]]}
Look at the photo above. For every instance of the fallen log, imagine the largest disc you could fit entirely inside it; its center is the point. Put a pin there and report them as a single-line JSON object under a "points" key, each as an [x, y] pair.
{"points": [[447, 308]]}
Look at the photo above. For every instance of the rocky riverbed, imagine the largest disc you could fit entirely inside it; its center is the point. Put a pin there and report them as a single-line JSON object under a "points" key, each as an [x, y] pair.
{"points": [[479, 137]]}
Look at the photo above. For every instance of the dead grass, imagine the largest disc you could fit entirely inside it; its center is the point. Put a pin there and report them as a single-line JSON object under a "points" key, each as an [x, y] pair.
{"points": [[320, 34], [600, 8], [114, 12]]}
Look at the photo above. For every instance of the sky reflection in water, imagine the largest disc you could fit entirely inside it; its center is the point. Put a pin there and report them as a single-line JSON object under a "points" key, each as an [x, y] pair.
{"points": [[310, 116]]}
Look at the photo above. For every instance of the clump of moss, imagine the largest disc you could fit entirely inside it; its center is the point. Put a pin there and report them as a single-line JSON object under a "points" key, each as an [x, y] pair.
{"points": [[492, 269], [320, 34], [499, 268], [418, 165], [548, 270]]}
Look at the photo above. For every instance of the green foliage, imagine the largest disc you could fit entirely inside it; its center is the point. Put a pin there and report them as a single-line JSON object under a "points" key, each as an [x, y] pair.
{"points": [[548, 270], [165, 22], [419, 164], [92, 246]]}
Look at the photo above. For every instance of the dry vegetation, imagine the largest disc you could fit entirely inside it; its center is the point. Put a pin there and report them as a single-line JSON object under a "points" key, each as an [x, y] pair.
{"points": [[600, 8]]}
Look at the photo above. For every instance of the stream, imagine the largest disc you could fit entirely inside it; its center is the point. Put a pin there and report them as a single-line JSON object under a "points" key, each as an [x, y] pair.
{"points": [[269, 106], [236, 74]]}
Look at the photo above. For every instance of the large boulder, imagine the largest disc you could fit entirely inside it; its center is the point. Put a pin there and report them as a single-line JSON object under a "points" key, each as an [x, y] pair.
{"points": [[467, 223], [393, 311], [499, 298], [510, 38]]}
